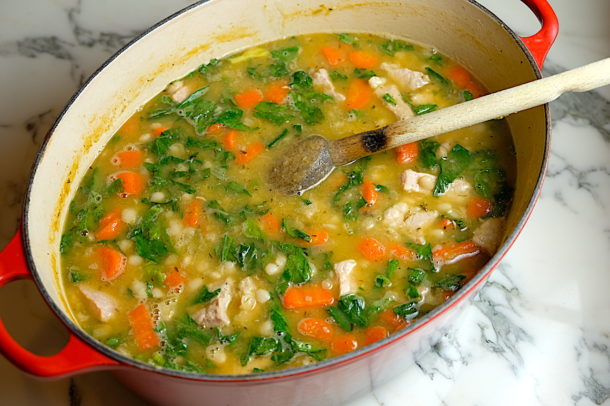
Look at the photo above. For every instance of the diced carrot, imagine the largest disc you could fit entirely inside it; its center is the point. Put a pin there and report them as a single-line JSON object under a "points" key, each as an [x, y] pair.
{"points": [[334, 56], [174, 278], [319, 237], [252, 151], [362, 59], [372, 249], [192, 214], [478, 207], [373, 334], [369, 193], [271, 224], [447, 223], [133, 183], [248, 99], [111, 226], [307, 297], [215, 128], [359, 94], [316, 328], [343, 344], [130, 159], [401, 252], [393, 320], [277, 92], [159, 130], [142, 325], [463, 79], [230, 140], [111, 262], [408, 153], [455, 251], [131, 128]]}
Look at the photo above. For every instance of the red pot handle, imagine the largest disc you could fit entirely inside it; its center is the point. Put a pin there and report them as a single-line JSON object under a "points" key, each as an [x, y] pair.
{"points": [[540, 43], [75, 357]]}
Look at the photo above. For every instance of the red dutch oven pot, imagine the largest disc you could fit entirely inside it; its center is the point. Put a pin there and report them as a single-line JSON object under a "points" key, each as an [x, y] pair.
{"points": [[461, 29]]}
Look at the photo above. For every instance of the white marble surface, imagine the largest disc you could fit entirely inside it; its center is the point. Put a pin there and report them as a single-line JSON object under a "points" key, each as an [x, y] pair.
{"points": [[538, 332]]}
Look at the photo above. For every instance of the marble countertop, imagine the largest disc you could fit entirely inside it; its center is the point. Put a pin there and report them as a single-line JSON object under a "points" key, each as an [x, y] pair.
{"points": [[537, 333]]}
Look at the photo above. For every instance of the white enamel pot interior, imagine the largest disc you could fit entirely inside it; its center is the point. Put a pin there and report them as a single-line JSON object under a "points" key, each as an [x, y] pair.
{"points": [[459, 28]]}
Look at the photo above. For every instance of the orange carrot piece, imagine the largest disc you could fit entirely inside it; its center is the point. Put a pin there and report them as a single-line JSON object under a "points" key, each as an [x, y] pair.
{"points": [[447, 223], [369, 193], [111, 262], [133, 183], [334, 56], [277, 92], [319, 237], [316, 328], [248, 99], [359, 94], [364, 60], [111, 226], [478, 207], [393, 320], [463, 79], [270, 223], [401, 252], [130, 159], [131, 128], [193, 213], [307, 297], [374, 334], [215, 128], [230, 140], [455, 251], [343, 344], [408, 153], [252, 151], [174, 278], [372, 249], [142, 325], [159, 130]]}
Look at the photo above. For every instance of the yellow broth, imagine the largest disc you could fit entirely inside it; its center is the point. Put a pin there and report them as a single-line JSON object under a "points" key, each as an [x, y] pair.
{"points": [[178, 253]]}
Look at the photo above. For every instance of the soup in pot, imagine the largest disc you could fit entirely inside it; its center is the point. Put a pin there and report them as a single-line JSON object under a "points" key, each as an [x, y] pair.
{"points": [[177, 252]]}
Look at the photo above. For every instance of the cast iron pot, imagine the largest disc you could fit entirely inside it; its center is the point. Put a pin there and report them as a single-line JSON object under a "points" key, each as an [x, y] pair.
{"points": [[462, 29]]}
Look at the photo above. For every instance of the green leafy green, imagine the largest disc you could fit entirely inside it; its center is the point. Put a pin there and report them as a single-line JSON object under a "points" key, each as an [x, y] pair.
{"points": [[150, 237], [450, 281], [232, 119], [416, 275], [392, 267], [349, 312], [205, 295], [452, 166], [295, 232], [285, 54], [363, 73], [390, 47], [348, 39], [76, 276], [335, 76], [467, 95], [437, 76], [236, 188], [427, 153], [388, 98], [406, 310], [424, 108], [278, 138], [276, 113], [297, 269]]}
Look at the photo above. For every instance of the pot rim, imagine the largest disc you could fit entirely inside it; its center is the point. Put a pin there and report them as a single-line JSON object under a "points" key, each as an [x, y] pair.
{"points": [[329, 363]]}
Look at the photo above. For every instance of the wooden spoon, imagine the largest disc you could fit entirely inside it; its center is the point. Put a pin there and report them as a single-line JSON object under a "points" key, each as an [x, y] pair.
{"points": [[305, 164]]}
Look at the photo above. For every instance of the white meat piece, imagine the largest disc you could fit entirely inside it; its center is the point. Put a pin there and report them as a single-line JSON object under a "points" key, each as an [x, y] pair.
{"points": [[401, 109], [102, 305], [214, 314], [395, 215], [344, 270], [418, 219], [247, 290], [409, 79], [178, 91], [488, 235], [322, 80], [417, 181]]}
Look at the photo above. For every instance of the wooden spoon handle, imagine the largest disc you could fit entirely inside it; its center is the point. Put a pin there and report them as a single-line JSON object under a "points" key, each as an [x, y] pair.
{"points": [[475, 111]]}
